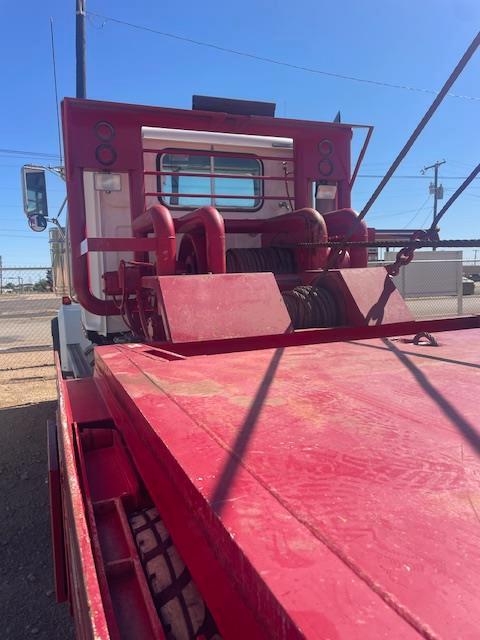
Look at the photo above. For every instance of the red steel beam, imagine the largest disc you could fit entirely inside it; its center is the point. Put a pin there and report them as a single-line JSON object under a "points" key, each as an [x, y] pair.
{"points": [[318, 336], [117, 244], [214, 195], [217, 154], [237, 176]]}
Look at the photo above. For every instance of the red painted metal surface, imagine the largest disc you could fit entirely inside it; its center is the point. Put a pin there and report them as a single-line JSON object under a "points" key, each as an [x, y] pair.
{"points": [[158, 220], [315, 488], [337, 224], [208, 307], [117, 244], [322, 336], [224, 154], [80, 119], [368, 296], [56, 515], [86, 603], [209, 223], [109, 485], [220, 176], [330, 488], [304, 225], [106, 585]]}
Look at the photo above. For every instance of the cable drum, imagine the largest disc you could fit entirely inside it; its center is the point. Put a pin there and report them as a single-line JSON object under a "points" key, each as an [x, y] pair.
{"points": [[312, 307], [278, 260], [308, 306]]}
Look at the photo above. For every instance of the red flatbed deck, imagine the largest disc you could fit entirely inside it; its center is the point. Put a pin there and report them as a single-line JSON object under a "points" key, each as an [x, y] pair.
{"points": [[334, 487]]}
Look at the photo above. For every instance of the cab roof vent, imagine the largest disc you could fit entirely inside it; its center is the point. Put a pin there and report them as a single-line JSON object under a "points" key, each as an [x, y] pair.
{"points": [[236, 107]]}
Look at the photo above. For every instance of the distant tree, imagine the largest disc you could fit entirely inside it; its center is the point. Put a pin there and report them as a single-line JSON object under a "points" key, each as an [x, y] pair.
{"points": [[49, 280], [9, 285], [41, 285]]}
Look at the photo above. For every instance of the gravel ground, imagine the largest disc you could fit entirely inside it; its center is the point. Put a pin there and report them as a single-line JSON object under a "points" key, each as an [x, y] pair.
{"points": [[28, 608], [27, 600]]}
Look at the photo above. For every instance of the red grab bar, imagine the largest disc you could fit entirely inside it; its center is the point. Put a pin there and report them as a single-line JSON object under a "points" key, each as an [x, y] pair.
{"points": [[208, 222], [339, 223], [159, 220]]}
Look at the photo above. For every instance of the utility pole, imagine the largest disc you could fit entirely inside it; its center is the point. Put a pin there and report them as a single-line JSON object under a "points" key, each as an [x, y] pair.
{"points": [[80, 49], [435, 188], [1, 275]]}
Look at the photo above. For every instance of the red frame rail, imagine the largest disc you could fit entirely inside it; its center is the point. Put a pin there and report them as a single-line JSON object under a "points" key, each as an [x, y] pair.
{"points": [[319, 336]]}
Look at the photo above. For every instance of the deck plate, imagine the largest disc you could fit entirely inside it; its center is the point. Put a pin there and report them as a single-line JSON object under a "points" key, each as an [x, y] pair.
{"points": [[344, 477]]}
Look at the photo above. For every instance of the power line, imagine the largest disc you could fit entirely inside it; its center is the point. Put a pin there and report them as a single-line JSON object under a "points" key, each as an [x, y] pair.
{"points": [[396, 214], [420, 208], [13, 235], [40, 154], [422, 226], [407, 177], [54, 64], [33, 154], [280, 63]]}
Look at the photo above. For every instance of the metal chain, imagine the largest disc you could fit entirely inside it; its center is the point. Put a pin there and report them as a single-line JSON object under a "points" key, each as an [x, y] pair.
{"points": [[388, 243], [418, 240], [423, 336], [405, 255]]}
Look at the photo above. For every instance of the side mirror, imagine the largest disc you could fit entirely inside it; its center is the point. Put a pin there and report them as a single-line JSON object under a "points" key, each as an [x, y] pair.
{"points": [[34, 188], [37, 222]]}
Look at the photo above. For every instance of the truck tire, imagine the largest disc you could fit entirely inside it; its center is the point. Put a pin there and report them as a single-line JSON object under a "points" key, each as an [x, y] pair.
{"points": [[180, 607]]}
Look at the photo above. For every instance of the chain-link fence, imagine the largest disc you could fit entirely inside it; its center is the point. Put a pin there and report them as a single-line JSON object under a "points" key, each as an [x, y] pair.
{"points": [[433, 285], [438, 284], [27, 305]]}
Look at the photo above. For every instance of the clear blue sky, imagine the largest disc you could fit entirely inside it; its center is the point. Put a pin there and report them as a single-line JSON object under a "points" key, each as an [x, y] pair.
{"points": [[410, 43]]}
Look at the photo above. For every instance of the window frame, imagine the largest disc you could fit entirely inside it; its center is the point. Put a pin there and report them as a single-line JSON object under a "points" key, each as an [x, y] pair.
{"points": [[211, 196]]}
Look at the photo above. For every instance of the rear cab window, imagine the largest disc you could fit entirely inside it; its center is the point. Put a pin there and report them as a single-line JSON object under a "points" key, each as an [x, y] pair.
{"points": [[225, 181]]}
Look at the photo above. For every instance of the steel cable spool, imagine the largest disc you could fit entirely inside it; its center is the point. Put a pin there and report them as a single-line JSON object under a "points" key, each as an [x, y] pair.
{"points": [[278, 260], [311, 307]]}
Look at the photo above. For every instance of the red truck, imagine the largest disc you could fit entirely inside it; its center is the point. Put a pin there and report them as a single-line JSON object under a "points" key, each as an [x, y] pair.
{"points": [[264, 448]]}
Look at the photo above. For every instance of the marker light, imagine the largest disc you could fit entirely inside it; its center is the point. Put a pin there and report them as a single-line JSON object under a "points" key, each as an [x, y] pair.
{"points": [[105, 154], [325, 167], [326, 192], [108, 182], [104, 131], [325, 147]]}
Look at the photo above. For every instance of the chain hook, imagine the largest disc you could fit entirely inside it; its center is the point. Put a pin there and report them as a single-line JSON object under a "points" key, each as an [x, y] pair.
{"points": [[405, 255]]}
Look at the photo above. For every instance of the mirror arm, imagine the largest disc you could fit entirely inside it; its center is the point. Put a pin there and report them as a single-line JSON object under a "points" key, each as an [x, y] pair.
{"points": [[55, 220], [57, 171], [59, 227]]}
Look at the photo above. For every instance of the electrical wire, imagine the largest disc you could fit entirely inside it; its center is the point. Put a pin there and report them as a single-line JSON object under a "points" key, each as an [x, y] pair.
{"points": [[280, 63], [408, 177], [40, 154], [422, 226], [420, 208], [54, 63], [32, 154]]}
